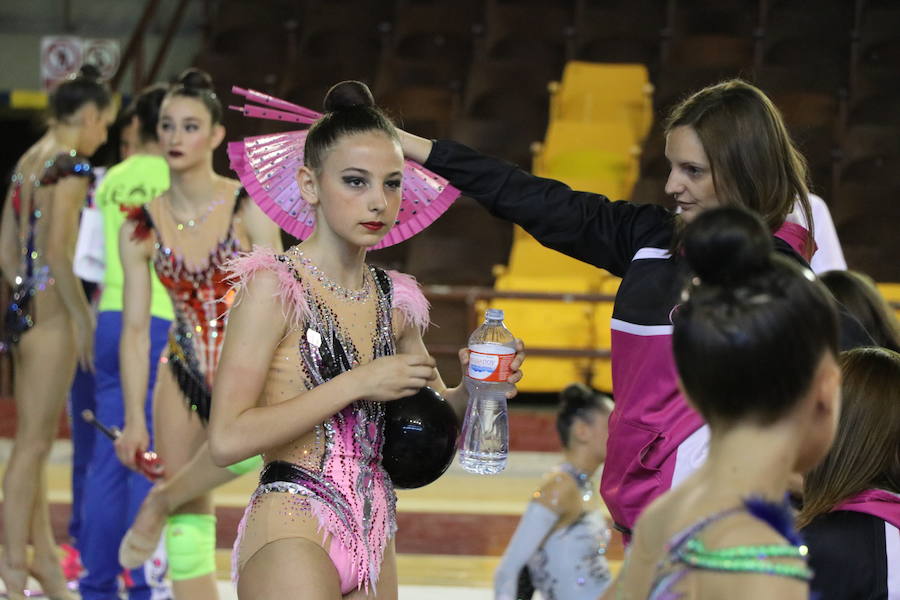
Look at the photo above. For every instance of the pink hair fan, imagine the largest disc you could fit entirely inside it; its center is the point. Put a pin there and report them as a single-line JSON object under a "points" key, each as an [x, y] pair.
{"points": [[267, 165]]}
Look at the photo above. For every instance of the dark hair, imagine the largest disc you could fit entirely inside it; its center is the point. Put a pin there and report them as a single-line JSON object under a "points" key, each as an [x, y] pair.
{"points": [[752, 159], [858, 294], [194, 83], [75, 92], [866, 449], [578, 401], [349, 109], [753, 325], [146, 108]]}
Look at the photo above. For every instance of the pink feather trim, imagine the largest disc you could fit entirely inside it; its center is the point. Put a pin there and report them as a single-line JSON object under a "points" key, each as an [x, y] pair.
{"points": [[293, 301], [409, 300]]}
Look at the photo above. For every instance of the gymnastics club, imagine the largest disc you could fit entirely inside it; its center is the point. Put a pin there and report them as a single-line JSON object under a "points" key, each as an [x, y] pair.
{"points": [[148, 463]]}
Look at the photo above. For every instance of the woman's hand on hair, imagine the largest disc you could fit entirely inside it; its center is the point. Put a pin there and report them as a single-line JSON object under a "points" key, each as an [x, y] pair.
{"points": [[415, 147]]}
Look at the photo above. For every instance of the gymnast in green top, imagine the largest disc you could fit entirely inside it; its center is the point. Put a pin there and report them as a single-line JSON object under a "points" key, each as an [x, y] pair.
{"points": [[755, 344], [137, 180]]}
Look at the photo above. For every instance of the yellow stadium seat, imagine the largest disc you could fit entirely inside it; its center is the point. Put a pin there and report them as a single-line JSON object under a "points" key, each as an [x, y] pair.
{"points": [[599, 115], [530, 259], [599, 91], [575, 150], [549, 324], [608, 136], [891, 293]]}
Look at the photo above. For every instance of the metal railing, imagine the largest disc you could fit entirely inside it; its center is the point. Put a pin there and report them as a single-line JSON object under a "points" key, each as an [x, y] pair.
{"points": [[470, 296]]}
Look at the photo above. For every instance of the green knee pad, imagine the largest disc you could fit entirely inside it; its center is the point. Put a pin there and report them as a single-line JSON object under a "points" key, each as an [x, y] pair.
{"points": [[246, 465], [191, 546]]}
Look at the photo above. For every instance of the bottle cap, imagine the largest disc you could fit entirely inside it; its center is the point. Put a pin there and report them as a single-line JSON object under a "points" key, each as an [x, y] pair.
{"points": [[495, 314]]}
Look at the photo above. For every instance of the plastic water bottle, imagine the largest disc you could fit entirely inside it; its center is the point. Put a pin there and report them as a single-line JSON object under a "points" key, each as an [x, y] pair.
{"points": [[485, 432]]}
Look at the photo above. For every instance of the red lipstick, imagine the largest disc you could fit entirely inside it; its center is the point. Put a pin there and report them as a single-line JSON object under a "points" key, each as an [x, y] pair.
{"points": [[373, 225]]}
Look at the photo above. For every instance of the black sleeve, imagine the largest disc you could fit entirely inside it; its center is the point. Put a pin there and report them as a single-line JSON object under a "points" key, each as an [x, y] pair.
{"points": [[848, 556], [583, 225]]}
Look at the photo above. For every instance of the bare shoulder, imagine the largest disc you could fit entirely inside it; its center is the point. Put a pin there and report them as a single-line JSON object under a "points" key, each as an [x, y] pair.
{"points": [[558, 492], [229, 184], [263, 285], [741, 530], [645, 552], [158, 203], [650, 534], [134, 239], [655, 521]]}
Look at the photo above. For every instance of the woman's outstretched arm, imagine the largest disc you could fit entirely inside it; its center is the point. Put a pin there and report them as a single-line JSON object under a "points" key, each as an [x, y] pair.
{"points": [[583, 225]]}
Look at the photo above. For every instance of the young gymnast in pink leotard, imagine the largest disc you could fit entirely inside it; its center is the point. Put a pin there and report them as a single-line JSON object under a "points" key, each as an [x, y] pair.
{"points": [[317, 343]]}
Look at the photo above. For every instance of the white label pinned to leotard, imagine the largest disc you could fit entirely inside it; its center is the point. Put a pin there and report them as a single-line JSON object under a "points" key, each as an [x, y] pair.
{"points": [[314, 338]]}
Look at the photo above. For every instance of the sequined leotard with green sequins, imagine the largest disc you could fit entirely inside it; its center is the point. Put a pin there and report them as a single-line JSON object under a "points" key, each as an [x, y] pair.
{"points": [[686, 552]]}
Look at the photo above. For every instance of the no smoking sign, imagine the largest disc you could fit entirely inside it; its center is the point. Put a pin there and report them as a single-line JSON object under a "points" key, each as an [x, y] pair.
{"points": [[62, 56], [103, 54]]}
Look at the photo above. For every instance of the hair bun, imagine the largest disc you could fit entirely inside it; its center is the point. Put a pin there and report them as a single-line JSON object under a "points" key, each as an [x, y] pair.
{"points": [[90, 72], [195, 78], [348, 94], [725, 246], [576, 395]]}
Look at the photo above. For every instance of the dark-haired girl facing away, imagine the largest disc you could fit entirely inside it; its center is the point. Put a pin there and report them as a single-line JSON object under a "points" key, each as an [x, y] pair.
{"points": [[859, 295], [755, 342], [727, 146], [562, 536], [49, 323], [187, 233], [851, 509], [317, 343]]}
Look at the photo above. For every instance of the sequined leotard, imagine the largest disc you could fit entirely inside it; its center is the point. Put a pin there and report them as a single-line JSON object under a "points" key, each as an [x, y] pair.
{"points": [[199, 291], [329, 485], [571, 562], [686, 551], [34, 275]]}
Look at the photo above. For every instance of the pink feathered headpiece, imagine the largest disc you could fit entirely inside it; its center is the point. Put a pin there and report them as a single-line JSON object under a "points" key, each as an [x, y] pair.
{"points": [[267, 165]]}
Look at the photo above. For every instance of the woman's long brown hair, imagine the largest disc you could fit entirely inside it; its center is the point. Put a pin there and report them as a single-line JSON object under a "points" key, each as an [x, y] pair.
{"points": [[866, 449], [753, 161]]}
